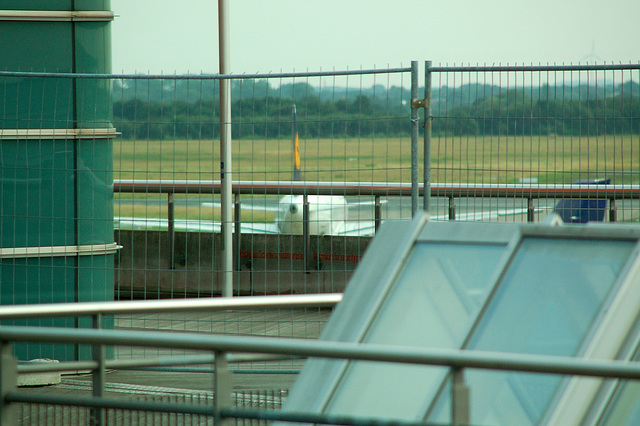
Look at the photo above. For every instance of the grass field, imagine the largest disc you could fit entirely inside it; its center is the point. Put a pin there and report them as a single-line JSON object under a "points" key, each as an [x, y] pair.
{"points": [[496, 159], [548, 159]]}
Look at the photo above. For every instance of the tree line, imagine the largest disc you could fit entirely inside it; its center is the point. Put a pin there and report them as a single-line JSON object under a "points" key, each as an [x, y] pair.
{"points": [[468, 110], [524, 116], [268, 117]]}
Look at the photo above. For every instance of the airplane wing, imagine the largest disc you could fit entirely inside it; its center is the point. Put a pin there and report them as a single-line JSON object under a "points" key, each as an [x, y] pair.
{"points": [[247, 206], [191, 225], [485, 215], [360, 228]]}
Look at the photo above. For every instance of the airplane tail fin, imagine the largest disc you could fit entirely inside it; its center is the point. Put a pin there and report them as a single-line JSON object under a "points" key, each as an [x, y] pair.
{"points": [[297, 174], [583, 210]]}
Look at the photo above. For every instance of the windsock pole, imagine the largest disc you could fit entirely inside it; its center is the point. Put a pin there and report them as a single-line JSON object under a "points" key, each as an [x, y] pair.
{"points": [[297, 175]]}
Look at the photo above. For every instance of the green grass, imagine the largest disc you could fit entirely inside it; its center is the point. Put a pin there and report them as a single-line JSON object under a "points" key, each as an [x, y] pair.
{"points": [[454, 159]]}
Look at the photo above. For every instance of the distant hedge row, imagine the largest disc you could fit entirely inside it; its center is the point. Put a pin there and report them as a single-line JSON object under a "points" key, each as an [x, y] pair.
{"points": [[615, 115], [271, 118]]}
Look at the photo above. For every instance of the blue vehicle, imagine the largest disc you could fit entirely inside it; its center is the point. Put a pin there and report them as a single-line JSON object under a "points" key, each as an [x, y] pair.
{"points": [[583, 211]]}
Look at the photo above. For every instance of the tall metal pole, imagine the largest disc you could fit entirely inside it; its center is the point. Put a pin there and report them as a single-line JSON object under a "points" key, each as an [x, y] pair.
{"points": [[427, 137], [414, 138], [225, 150]]}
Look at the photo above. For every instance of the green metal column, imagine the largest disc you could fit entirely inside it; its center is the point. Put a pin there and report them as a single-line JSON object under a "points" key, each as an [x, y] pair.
{"points": [[56, 222]]}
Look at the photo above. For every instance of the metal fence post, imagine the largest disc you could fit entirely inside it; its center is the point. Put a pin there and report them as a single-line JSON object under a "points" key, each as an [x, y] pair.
{"points": [[237, 231], [613, 210], [452, 208], [222, 387], [378, 213], [98, 353], [8, 383], [305, 234], [427, 137], [460, 399], [414, 137], [171, 229], [531, 216], [226, 169]]}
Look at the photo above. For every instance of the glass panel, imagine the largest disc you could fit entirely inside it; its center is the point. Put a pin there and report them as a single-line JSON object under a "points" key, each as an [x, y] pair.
{"points": [[431, 305], [546, 304], [624, 407]]}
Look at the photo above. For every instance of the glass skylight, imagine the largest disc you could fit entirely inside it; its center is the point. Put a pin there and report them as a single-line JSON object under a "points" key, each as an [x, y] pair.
{"points": [[530, 289]]}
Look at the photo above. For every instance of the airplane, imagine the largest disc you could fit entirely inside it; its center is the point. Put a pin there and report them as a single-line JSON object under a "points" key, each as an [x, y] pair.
{"points": [[329, 214]]}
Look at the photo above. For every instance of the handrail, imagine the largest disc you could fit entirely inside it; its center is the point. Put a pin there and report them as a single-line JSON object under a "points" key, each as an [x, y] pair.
{"points": [[455, 359], [525, 190], [451, 191], [50, 310]]}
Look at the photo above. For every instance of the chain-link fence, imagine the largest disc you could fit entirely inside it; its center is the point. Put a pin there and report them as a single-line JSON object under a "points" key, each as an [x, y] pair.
{"points": [[319, 161], [514, 137]]}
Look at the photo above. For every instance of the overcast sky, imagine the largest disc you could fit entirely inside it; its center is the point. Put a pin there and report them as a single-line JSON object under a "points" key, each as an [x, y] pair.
{"points": [[299, 35]]}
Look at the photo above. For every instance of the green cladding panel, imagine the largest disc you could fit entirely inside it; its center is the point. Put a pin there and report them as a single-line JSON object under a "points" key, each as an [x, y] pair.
{"points": [[93, 56], [55, 185], [36, 103], [39, 280], [37, 190]]}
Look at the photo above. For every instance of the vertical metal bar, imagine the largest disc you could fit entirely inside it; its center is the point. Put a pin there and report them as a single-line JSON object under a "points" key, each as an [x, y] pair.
{"points": [[305, 233], [613, 210], [452, 208], [8, 383], [237, 230], [222, 387], [98, 354], [460, 399], [414, 138], [171, 230], [531, 217], [225, 150], [378, 213], [427, 136]]}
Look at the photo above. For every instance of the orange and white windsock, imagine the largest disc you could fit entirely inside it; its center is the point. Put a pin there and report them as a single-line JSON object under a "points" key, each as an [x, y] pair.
{"points": [[296, 149]]}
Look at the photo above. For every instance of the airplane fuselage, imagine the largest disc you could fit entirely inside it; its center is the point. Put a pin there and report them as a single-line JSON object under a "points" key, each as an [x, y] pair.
{"points": [[327, 214]]}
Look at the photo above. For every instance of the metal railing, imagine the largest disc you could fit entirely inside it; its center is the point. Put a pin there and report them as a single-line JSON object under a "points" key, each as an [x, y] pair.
{"points": [[99, 363], [378, 190], [451, 192], [222, 350]]}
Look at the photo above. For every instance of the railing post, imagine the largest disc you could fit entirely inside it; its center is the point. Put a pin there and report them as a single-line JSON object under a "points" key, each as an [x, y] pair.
{"points": [[305, 234], [613, 210], [452, 208], [378, 213], [414, 138], [171, 230], [222, 387], [531, 217], [460, 399], [98, 353], [427, 136], [237, 231], [8, 383]]}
